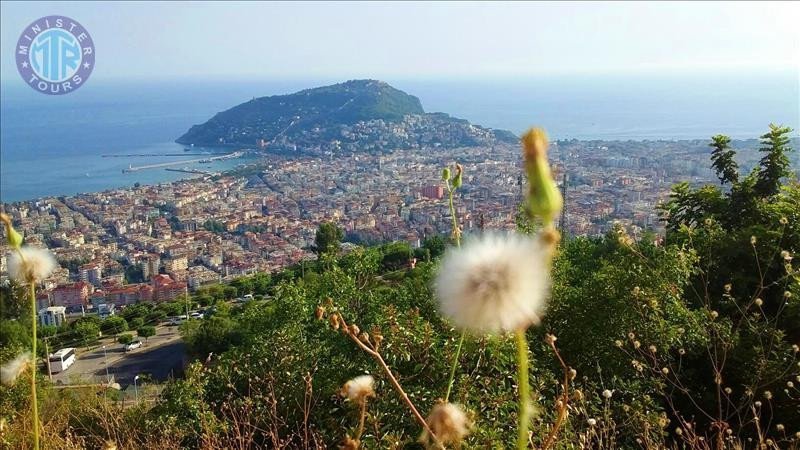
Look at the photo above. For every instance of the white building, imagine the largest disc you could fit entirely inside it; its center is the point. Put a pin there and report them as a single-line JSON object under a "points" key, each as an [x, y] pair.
{"points": [[53, 315]]}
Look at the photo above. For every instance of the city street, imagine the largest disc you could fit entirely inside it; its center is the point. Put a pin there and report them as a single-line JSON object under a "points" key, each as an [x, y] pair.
{"points": [[161, 356]]}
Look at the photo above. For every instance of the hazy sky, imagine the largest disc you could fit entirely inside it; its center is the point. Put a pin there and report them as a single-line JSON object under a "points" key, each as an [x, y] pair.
{"points": [[420, 40]]}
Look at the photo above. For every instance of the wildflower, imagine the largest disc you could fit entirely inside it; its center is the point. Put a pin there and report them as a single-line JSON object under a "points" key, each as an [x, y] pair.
{"points": [[110, 445], [550, 339], [636, 291], [787, 295], [759, 302], [458, 177], [577, 394], [652, 348], [768, 395], [779, 427], [354, 330], [728, 390], [681, 351], [728, 287], [789, 384], [665, 371], [574, 373], [13, 237], [607, 394], [494, 283], [591, 422], [618, 343], [446, 174], [319, 312], [783, 220], [544, 198], [10, 371], [752, 240], [714, 314], [359, 388], [757, 403], [33, 265], [350, 444], [448, 422], [786, 256], [795, 348], [631, 336], [678, 431], [334, 321], [637, 344]]}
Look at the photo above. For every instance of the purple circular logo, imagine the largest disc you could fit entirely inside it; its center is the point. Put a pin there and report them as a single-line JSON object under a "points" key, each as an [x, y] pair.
{"points": [[55, 55]]}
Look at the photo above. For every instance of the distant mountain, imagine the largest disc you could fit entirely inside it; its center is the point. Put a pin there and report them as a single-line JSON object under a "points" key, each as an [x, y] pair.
{"points": [[358, 115]]}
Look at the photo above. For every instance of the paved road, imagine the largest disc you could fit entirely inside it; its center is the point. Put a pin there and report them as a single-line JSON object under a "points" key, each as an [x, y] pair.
{"points": [[162, 356]]}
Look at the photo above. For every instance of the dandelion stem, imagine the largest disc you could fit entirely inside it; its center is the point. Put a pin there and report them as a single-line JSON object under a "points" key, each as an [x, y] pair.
{"points": [[456, 231], [34, 402], [524, 390], [455, 364]]}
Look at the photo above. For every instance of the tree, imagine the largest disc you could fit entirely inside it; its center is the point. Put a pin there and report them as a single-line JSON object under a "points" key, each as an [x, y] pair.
{"points": [[722, 159], [136, 322], [396, 255], [125, 339], [775, 163], [86, 332], [328, 238], [146, 331], [114, 325], [435, 245]]}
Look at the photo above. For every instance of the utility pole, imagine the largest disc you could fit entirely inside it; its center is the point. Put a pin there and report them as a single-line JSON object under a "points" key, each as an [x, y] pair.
{"points": [[47, 357]]}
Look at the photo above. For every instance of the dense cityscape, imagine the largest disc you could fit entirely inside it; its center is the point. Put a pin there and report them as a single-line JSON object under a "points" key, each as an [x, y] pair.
{"points": [[156, 243]]}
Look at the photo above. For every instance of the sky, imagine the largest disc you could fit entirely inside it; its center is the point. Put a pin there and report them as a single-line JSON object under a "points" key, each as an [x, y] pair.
{"points": [[232, 40]]}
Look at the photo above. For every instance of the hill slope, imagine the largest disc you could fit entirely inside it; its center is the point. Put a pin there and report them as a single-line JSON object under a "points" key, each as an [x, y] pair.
{"points": [[358, 115]]}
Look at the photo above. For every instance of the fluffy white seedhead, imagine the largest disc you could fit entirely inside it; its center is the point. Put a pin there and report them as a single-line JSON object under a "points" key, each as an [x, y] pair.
{"points": [[35, 264], [359, 388], [10, 371], [494, 283], [449, 423]]}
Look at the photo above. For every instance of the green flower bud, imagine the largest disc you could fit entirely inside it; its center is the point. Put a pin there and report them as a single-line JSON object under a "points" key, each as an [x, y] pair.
{"points": [[544, 198], [446, 174], [458, 178], [14, 238]]}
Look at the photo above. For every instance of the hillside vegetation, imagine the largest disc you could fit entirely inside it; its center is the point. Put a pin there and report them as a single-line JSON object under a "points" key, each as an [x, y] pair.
{"points": [[687, 341]]}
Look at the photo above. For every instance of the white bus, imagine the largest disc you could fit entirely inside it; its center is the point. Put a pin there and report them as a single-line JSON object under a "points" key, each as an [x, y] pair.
{"points": [[61, 360]]}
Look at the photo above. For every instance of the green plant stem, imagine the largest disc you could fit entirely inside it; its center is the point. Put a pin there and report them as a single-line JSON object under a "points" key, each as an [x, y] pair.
{"points": [[524, 390], [456, 231], [34, 402], [453, 368]]}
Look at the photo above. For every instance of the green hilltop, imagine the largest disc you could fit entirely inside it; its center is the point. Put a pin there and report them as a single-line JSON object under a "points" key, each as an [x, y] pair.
{"points": [[356, 112]]}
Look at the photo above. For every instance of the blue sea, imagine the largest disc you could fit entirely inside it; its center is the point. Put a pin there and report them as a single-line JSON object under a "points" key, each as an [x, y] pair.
{"points": [[52, 145]]}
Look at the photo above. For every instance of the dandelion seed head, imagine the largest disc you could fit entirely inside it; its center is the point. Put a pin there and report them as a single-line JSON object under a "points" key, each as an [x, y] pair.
{"points": [[759, 302], [767, 395], [607, 394], [359, 388], [779, 427], [35, 265], [10, 371], [591, 422], [757, 403], [714, 314], [494, 283], [665, 370], [789, 384], [753, 240], [449, 423]]}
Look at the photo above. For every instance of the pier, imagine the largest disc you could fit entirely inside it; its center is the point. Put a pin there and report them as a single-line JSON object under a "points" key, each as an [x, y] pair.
{"points": [[236, 154], [195, 171]]}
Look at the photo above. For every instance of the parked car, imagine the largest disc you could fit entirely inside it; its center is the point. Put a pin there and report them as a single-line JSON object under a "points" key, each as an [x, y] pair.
{"points": [[197, 315], [133, 346]]}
